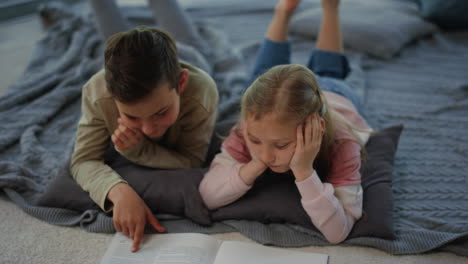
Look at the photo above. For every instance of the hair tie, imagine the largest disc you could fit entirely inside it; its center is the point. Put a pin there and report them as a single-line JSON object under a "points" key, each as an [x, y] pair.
{"points": [[323, 110]]}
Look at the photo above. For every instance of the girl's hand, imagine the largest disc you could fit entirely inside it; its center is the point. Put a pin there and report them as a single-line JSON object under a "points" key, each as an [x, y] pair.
{"points": [[131, 214], [251, 171], [309, 138], [125, 137]]}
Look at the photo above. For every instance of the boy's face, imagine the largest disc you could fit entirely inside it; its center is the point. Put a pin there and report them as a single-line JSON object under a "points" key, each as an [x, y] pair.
{"points": [[154, 114]]}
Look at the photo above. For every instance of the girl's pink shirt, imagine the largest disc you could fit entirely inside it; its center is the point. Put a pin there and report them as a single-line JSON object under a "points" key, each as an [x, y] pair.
{"points": [[333, 206]]}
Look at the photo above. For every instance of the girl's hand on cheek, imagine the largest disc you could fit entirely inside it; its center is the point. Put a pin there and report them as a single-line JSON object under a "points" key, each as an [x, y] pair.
{"points": [[309, 138], [258, 164], [250, 171]]}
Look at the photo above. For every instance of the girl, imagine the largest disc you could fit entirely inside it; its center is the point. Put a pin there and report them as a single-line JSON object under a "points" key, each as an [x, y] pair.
{"points": [[289, 124]]}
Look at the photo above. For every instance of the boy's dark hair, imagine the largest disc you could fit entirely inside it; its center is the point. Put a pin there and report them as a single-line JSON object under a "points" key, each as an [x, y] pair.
{"points": [[138, 60]]}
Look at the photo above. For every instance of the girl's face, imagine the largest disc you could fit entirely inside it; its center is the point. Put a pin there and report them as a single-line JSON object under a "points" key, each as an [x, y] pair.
{"points": [[271, 141]]}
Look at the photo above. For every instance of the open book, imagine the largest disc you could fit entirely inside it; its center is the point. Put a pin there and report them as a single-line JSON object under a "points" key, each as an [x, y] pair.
{"points": [[192, 248]]}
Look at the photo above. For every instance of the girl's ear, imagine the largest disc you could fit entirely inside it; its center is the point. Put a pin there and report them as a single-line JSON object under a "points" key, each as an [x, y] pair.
{"points": [[322, 125]]}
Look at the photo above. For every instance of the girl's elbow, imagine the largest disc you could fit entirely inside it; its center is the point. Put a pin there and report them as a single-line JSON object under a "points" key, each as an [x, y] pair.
{"points": [[207, 196], [210, 205], [209, 202], [336, 240]]}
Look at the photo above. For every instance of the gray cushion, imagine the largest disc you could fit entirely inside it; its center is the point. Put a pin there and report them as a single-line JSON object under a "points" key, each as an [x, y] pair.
{"points": [[172, 192], [275, 198], [380, 28], [449, 14]]}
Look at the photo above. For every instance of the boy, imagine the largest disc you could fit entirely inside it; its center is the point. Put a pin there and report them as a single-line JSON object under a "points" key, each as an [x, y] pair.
{"points": [[158, 113]]}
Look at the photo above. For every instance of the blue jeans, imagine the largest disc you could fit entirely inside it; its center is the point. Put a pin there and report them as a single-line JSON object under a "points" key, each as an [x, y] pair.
{"points": [[330, 68]]}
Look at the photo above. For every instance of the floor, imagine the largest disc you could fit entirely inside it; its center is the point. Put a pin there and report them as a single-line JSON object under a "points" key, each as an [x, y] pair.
{"points": [[26, 239]]}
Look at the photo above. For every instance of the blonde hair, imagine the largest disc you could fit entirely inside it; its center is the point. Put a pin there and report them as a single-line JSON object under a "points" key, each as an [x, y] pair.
{"points": [[291, 92]]}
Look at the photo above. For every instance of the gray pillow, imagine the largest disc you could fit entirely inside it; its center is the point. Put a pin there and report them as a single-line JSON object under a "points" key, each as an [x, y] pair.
{"points": [[173, 192], [380, 28], [449, 14], [275, 198], [272, 200]]}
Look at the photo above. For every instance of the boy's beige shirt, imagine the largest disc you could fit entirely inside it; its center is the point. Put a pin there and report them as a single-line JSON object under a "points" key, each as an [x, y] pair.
{"points": [[184, 144]]}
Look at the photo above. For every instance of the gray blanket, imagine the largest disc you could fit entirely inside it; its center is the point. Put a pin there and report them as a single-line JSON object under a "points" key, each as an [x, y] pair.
{"points": [[426, 89]]}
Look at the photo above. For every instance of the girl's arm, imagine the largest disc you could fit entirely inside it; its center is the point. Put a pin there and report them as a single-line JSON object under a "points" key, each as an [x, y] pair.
{"points": [[231, 174], [335, 207], [222, 184]]}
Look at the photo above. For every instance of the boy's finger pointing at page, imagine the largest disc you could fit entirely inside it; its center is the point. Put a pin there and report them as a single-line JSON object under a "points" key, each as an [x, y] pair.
{"points": [[138, 235], [140, 228]]}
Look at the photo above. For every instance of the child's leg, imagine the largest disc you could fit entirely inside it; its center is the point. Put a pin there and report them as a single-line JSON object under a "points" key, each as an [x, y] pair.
{"points": [[109, 20], [172, 18], [329, 37], [327, 59], [275, 49]]}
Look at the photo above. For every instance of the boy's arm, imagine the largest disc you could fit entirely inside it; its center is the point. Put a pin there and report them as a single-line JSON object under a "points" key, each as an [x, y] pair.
{"points": [[189, 151], [87, 164]]}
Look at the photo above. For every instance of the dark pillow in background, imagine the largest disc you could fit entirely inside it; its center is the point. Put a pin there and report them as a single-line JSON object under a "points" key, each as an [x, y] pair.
{"points": [[448, 14], [274, 198], [221, 131], [376, 173]]}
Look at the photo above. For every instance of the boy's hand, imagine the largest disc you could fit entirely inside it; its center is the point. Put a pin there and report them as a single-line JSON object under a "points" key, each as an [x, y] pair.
{"points": [[131, 214], [309, 138], [125, 137]]}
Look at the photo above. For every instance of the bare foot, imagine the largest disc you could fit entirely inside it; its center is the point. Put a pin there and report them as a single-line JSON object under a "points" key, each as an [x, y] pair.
{"points": [[287, 5]]}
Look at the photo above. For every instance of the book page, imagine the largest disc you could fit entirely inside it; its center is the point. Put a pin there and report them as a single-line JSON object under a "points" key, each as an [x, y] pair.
{"points": [[234, 252], [163, 249]]}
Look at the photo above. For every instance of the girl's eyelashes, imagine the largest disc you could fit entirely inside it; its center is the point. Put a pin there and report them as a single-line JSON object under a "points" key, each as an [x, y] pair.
{"points": [[257, 142], [282, 146]]}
